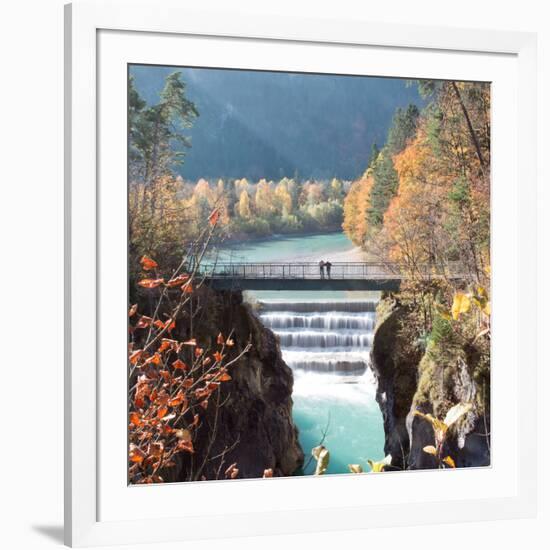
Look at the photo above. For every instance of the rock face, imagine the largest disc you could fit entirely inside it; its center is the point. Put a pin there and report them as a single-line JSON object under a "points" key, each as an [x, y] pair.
{"points": [[410, 379], [394, 362], [254, 427]]}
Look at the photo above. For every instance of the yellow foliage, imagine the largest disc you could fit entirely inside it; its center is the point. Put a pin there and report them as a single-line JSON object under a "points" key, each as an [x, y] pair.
{"points": [[461, 304], [356, 205], [379, 466]]}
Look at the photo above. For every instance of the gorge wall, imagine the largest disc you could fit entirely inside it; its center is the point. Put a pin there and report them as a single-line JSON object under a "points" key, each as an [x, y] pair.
{"points": [[412, 376], [253, 427]]}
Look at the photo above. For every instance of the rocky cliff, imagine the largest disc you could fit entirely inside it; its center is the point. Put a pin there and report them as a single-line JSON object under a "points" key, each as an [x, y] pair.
{"points": [[253, 427], [429, 378]]}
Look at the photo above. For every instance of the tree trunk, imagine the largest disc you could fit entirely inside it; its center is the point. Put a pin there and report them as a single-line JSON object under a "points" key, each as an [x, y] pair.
{"points": [[473, 135]]}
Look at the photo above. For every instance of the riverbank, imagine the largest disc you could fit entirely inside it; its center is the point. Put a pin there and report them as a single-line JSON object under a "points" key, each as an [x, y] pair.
{"points": [[333, 246]]}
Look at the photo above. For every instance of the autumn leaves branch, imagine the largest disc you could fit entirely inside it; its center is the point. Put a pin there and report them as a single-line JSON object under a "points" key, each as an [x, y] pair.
{"points": [[171, 379]]}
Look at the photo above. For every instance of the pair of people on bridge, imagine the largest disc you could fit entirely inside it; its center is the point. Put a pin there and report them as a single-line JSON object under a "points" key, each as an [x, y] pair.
{"points": [[324, 266]]}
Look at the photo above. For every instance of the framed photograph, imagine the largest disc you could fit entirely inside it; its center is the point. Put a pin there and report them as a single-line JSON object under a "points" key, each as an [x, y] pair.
{"points": [[298, 257]]}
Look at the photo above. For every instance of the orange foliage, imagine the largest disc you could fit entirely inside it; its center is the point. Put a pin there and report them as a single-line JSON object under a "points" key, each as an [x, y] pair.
{"points": [[356, 205]]}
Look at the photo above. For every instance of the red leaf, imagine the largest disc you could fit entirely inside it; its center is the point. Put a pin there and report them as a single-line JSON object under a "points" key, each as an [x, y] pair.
{"points": [[184, 445], [148, 263], [268, 472], [156, 449], [151, 283], [135, 419], [187, 288], [218, 356], [224, 377], [202, 392], [136, 454], [179, 364], [191, 342], [155, 359], [178, 399], [163, 397], [220, 339], [198, 352], [144, 322], [214, 216], [177, 281], [166, 343], [132, 310], [162, 412], [134, 357]]}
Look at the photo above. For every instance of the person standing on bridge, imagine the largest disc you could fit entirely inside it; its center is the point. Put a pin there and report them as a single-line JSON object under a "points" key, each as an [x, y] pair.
{"points": [[322, 269], [328, 265]]}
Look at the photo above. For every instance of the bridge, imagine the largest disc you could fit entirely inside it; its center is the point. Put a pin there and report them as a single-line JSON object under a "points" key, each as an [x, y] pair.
{"points": [[307, 276]]}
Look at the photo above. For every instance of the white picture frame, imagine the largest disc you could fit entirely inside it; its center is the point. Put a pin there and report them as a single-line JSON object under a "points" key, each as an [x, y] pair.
{"points": [[88, 522]]}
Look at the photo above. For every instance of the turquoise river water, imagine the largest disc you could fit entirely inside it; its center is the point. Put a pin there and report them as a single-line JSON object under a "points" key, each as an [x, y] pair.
{"points": [[325, 338]]}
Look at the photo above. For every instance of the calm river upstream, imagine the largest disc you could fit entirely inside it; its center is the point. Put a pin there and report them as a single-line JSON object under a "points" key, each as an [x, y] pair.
{"points": [[325, 338]]}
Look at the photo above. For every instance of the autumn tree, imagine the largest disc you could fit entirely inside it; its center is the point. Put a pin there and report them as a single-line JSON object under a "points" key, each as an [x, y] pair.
{"points": [[159, 217], [356, 204], [336, 189], [384, 187], [283, 198], [264, 198], [428, 201], [244, 205]]}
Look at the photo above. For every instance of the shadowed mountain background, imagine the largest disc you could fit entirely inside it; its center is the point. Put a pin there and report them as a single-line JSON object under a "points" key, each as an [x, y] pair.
{"points": [[256, 124]]}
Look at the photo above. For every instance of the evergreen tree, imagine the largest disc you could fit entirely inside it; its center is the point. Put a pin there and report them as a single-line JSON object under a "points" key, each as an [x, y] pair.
{"points": [[374, 152], [157, 141], [403, 128], [384, 187]]}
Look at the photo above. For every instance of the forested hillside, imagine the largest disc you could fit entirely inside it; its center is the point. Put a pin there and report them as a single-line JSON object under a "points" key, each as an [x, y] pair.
{"points": [[256, 125], [424, 204], [424, 198]]}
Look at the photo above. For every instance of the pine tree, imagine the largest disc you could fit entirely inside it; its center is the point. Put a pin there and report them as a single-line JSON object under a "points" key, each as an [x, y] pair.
{"points": [[157, 141]]}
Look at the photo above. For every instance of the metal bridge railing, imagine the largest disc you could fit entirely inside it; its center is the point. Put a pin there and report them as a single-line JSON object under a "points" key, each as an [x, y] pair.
{"points": [[310, 270]]}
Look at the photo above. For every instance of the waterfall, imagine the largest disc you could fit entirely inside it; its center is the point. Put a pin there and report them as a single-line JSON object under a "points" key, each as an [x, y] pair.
{"points": [[347, 306], [325, 337], [327, 345]]}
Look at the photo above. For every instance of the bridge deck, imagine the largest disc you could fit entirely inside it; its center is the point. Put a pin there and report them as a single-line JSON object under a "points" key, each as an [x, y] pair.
{"points": [[308, 276]]}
